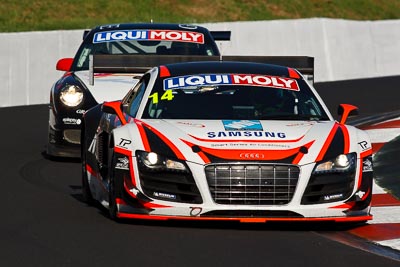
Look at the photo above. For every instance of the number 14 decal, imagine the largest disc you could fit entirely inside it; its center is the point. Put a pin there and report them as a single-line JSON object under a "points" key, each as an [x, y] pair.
{"points": [[166, 96]]}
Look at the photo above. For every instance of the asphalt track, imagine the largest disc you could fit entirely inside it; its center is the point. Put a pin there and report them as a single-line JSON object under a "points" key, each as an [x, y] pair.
{"points": [[45, 223]]}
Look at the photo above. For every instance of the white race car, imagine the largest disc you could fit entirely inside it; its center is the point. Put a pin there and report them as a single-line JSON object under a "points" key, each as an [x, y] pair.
{"points": [[226, 140]]}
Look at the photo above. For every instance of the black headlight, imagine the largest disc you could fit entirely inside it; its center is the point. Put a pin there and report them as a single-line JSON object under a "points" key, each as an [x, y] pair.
{"points": [[166, 179], [342, 163], [331, 180]]}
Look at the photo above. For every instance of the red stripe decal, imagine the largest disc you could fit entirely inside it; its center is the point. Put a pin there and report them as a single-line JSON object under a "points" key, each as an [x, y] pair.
{"points": [[171, 145], [201, 153], [164, 72], [360, 172], [151, 205], [346, 139], [245, 140], [90, 170], [327, 142], [143, 136], [293, 73], [120, 201], [384, 200], [366, 153], [95, 175], [248, 154], [300, 154], [128, 189], [116, 105], [347, 206], [243, 220], [123, 151]]}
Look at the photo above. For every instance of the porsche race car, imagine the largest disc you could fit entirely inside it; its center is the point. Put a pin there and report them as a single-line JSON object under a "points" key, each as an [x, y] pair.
{"points": [[226, 140], [77, 91]]}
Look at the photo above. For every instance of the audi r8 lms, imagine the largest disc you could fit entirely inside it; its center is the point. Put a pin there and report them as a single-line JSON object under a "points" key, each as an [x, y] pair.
{"points": [[226, 140], [77, 91]]}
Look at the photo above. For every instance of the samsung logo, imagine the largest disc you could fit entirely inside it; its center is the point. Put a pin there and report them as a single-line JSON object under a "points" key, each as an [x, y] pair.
{"points": [[258, 134]]}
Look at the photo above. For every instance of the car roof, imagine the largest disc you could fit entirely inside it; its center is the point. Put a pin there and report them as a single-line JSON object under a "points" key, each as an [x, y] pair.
{"points": [[218, 67]]}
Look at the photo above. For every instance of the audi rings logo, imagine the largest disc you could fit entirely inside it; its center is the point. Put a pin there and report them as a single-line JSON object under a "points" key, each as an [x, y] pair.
{"points": [[251, 155]]}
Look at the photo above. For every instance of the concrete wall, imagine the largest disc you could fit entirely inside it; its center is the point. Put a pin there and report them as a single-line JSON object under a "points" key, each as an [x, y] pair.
{"points": [[342, 49]]}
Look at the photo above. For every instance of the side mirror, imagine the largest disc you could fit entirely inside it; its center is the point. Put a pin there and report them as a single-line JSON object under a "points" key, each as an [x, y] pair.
{"points": [[64, 64], [346, 111], [114, 108]]}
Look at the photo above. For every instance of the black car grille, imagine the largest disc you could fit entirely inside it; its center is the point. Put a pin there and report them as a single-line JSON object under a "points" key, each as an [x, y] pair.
{"points": [[252, 184]]}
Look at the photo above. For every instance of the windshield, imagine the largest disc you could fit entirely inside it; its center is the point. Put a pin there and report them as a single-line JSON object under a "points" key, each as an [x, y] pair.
{"points": [[225, 96], [142, 42]]}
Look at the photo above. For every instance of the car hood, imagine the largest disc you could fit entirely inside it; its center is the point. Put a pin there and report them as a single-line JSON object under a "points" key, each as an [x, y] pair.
{"points": [[239, 140], [108, 86]]}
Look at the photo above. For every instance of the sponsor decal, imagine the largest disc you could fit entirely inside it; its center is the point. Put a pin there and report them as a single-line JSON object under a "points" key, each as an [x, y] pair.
{"points": [[237, 145], [230, 79], [72, 121], [259, 134], [333, 197], [251, 155], [164, 195], [300, 124], [124, 142], [80, 111], [360, 195], [109, 26], [242, 125], [198, 125], [149, 35], [367, 165], [122, 164], [364, 145]]}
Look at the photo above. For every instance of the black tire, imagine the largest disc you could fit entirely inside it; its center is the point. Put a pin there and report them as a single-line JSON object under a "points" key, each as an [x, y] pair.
{"points": [[86, 193]]}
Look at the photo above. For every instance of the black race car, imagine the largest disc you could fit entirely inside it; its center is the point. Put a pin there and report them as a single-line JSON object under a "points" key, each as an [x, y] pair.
{"points": [[77, 90]]}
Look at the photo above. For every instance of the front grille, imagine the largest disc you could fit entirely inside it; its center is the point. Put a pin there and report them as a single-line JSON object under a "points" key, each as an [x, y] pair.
{"points": [[252, 184], [73, 136]]}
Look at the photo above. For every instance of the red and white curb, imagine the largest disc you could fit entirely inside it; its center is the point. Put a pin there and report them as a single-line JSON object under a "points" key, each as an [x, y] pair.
{"points": [[384, 228], [383, 132]]}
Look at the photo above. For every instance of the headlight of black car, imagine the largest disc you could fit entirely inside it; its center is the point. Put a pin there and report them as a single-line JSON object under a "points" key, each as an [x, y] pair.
{"points": [[155, 162], [342, 163], [71, 95]]}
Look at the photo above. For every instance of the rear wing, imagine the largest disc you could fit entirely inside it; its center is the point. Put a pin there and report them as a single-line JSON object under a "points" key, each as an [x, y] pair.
{"points": [[142, 63], [221, 35]]}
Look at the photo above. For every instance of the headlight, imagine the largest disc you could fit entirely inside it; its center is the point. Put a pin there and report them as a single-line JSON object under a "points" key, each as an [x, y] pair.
{"points": [[342, 163], [71, 95], [155, 161]]}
